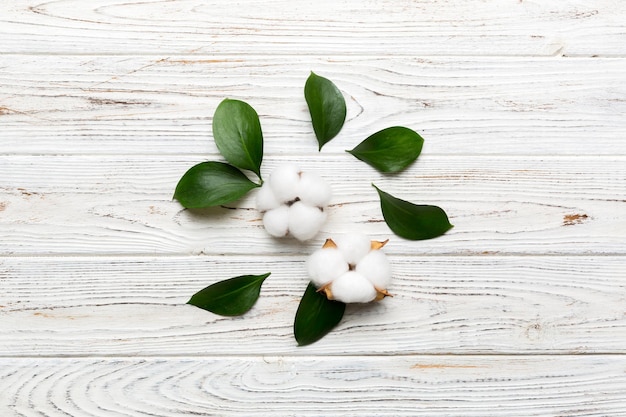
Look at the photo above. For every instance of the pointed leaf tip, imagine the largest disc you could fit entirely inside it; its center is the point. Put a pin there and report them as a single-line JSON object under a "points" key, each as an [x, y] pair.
{"points": [[326, 106], [390, 150], [231, 297], [316, 316], [210, 184], [413, 221], [238, 136]]}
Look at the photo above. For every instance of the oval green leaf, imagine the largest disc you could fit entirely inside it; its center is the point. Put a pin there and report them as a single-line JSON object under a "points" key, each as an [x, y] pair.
{"points": [[211, 184], [391, 149], [412, 221], [238, 136], [316, 316], [327, 107], [231, 297]]}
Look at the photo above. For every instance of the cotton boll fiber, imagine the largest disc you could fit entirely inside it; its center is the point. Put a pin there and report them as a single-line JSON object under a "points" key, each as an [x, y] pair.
{"points": [[326, 265], [353, 246], [305, 221], [313, 190], [276, 221], [353, 287], [265, 199], [284, 181], [376, 268]]}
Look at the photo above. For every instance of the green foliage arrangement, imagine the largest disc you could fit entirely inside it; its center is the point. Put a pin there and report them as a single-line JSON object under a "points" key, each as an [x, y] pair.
{"points": [[238, 135]]}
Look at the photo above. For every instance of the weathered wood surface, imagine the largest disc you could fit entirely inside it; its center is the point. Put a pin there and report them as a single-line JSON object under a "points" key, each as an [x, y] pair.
{"points": [[432, 27], [498, 204], [442, 304], [477, 386], [163, 105], [520, 310]]}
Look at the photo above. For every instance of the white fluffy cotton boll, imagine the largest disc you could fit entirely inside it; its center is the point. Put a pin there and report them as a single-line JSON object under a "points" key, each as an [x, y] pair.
{"points": [[376, 268], [284, 181], [353, 246], [276, 221], [305, 221], [353, 287], [265, 198], [326, 265], [313, 190]]}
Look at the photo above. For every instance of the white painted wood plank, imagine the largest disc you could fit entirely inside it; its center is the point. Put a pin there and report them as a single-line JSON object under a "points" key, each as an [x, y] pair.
{"points": [[164, 105], [475, 304], [537, 167], [376, 27], [117, 205], [475, 386]]}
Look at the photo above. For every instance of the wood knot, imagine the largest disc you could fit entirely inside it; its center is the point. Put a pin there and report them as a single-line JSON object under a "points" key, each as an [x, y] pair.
{"points": [[572, 219]]}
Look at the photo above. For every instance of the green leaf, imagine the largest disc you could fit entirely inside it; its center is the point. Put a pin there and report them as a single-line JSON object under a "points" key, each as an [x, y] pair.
{"points": [[327, 107], [238, 136], [316, 316], [412, 221], [231, 297], [211, 184], [391, 149]]}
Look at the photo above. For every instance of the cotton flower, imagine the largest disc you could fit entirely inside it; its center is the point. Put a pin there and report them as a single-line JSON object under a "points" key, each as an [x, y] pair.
{"points": [[293, 202], [350, 269]]}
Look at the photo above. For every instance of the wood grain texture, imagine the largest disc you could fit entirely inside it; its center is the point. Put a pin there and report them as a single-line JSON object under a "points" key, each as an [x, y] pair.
{"points": [[400, 386], [474, 304], [518, 311], [123, 205], [154, 106], [384, 27]]}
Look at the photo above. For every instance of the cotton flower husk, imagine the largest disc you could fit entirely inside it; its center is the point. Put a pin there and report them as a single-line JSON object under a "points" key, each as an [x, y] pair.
{"points": [[359, 273]]}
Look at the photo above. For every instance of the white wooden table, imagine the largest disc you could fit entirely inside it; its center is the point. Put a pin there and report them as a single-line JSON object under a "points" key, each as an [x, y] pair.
{"points": [[520, 310]]}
